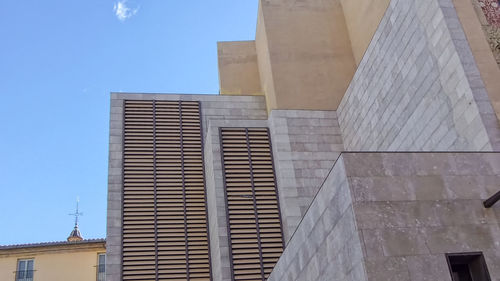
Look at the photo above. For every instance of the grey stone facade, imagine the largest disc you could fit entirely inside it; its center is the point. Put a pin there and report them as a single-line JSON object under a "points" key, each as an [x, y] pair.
{"points": [[326, 244], [213, 107], [306, 144], [394, 216], [219, 242], [412, 208], [364, 215], [397, 211], [217, 215], [418, 87], [115, 189]]}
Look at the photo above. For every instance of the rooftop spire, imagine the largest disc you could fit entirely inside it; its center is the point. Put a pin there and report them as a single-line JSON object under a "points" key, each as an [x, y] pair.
{"points": [[75, 235]]}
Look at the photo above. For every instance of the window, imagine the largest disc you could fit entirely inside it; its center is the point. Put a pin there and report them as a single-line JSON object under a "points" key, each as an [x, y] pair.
{"points": [[24, 270], [468, 267], [101, 267]]}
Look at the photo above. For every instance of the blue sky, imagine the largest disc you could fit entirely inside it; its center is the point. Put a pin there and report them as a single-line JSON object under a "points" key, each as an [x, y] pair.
{"points": [[59, 60]]}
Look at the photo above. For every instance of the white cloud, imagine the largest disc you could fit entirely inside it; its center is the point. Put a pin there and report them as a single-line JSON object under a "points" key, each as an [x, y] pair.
{"points": [[122, 11]]}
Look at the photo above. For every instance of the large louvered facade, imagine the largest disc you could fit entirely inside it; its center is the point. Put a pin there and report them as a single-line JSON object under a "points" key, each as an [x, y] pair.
{"points": [[165, 235], [255, 233]]}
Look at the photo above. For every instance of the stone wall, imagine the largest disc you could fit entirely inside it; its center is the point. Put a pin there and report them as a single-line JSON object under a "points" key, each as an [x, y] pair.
{"points": [[216, 200], [115, 190], [305, 146], [219, 242], [214, 107], [394, 216], [413, 208], [326, 245], [418, 87]]}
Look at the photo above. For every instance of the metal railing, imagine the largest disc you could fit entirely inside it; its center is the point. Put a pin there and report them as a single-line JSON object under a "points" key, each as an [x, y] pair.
{"points": [[101, 272], [25, 275], [101, 276]]}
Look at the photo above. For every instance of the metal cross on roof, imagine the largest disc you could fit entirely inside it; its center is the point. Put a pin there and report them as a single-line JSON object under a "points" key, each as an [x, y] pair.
{"points": [[76, 213]]}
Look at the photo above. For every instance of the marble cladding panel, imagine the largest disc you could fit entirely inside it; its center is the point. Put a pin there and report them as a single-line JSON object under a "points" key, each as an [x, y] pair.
{"points": [[326, 244], [115, 183], [306, 145], [394, 216], [413, 208], [219, 247], [418, 87]]}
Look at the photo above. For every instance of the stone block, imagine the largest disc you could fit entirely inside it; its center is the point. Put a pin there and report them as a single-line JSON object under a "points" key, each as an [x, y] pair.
{"points": [[428, 268], [387, 268], [402, 241], [455, 239]]}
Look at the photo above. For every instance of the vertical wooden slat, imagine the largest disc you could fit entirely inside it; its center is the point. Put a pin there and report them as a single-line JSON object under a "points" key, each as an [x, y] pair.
{"points": [[165, 230], [252, 202]]}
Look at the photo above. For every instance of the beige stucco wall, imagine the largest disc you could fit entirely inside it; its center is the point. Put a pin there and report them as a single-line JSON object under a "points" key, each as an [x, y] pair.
{"points": [[490, 73], [362, 20], [307, 62], [264, 61], [238, 70], [305, 53], [54, 266]]}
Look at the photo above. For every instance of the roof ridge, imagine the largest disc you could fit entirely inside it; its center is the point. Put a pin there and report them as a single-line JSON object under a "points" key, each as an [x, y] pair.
{"points": [[52, 243]]}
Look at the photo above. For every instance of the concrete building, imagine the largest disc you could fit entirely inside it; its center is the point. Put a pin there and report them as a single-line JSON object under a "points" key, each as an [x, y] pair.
{"points": [[351, 140]]}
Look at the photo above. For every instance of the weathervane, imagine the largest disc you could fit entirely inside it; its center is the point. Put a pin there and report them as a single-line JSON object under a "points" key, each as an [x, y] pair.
{"points": [[77, 213], [75, 235]]}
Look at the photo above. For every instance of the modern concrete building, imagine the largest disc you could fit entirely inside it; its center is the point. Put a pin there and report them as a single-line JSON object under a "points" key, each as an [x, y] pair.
{"points": [[351, 140]]}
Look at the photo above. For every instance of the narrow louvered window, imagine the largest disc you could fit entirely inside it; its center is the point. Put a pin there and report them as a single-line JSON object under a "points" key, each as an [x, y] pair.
{"points": [[252, 202], [165, 232]]}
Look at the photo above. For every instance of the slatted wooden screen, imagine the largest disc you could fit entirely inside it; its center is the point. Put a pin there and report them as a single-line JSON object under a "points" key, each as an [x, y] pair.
{"points": [[252, 202], [165, 233]]}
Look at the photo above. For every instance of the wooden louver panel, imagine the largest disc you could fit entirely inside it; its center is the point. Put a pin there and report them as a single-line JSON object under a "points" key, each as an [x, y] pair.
{"points": [[252, 202], [165, 232]]}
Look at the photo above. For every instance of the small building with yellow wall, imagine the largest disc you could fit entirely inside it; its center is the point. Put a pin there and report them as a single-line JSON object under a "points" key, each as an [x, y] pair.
{"points": [[54, 261], [76, 259]]}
